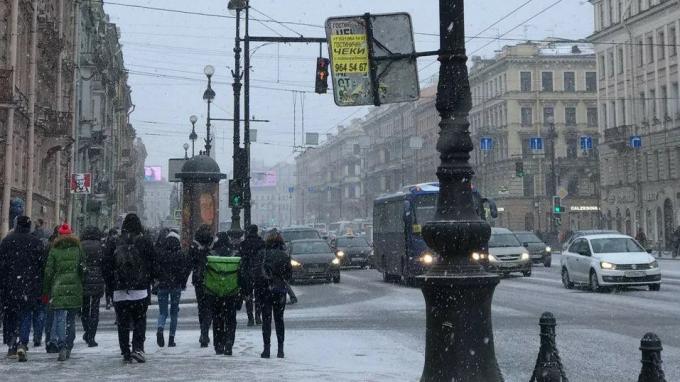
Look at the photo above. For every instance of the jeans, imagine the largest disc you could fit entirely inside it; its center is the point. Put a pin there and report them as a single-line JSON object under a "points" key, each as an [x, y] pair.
{"points": [[224, 322], [252, 302], [64, 328], [49, 317], [204, 312], [34, 316], [131, 314], [273, 303], [171, 297], [89, 316], [12, 321]]}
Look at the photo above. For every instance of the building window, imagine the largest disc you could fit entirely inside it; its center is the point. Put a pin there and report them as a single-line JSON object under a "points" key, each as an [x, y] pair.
{"points": [[525, 81], [548, 115], [611, 64], [591, 115], [526, 117], [570, 116], [675, 97], [672, 41], [620, 61], [528, 185], [640, 54], [650, 49], [357, 149], [664, 102], [602, 66], [661, 43], [613, 111], [591, 82], [572, 186], [572, 148], [652, 103], [604, 115], [569, 82], [547, 81]]}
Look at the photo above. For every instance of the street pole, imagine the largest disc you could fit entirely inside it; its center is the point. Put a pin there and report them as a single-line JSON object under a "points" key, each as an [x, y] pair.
{"points": [[236, 73], [553, 176], [246, 121], [457, 290]]}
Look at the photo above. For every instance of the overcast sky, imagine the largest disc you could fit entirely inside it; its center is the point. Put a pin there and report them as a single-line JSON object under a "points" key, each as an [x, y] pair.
{"points": [[165, 53]]}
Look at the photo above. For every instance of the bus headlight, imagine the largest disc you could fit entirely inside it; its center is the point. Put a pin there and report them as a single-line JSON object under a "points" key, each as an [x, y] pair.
{"points": [[295, 263], [340, 254], [475, 256], [427, 258], [336, 261]]}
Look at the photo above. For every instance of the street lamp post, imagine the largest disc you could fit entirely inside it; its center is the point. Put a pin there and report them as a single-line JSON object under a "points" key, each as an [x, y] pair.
{"points": [[208, 96], [237, 5], [186, 148], [193, 136], [553, 172], [457, 290]]}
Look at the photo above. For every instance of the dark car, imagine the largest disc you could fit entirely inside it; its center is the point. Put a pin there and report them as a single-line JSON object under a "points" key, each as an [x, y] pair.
{"points": [[299, 233], [538, 250], [352, 250], [313, 259]]}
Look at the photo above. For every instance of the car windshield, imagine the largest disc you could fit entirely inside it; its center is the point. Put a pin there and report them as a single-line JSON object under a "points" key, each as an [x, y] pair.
{"points": [[302, 248], [350, 242], [503, 240], [615, 245], [300, 235], [528, 238]]}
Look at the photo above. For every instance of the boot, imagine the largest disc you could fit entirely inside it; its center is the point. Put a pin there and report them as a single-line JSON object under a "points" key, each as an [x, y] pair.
{"points": [[171, 342], [258, 319], [160, 340], [251, 322], [63, 356], [265, 352], [279, 353], [21, 353], [204, 340]]}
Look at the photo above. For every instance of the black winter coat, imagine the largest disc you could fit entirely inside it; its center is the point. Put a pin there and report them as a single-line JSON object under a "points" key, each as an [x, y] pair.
{"points": [[93, 284], [248, 251], [274, 270], [22, 262], [146, 250], [198, 255], [171, 266]]}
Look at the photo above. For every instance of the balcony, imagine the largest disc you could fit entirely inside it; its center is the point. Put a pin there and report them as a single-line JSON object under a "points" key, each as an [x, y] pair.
{"points": [[617, 137], [53, 123]]}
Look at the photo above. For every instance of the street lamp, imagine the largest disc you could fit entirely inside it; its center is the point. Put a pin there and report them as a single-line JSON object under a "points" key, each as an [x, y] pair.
{"points": [[237, 5], [186, 148], [208, 96], [457, 289], [553, 171], [193, 136]]}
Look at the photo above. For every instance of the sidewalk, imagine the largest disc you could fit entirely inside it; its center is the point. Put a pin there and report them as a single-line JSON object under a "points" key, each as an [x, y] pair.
{"points": [[664, 255], [311, 355]]}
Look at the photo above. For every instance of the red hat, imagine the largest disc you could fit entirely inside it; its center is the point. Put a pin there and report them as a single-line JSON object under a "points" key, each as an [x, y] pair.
{"points": [[65, 229]]}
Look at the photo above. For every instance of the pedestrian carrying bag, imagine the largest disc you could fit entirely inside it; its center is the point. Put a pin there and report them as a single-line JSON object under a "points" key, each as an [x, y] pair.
{"points": [[221, 276], [129, 266]]}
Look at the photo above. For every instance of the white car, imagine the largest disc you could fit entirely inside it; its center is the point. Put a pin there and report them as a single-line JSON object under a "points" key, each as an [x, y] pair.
{"points": [[602, 261]]}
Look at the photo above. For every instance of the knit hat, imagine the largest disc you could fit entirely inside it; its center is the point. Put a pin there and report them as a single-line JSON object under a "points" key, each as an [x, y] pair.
{"points": [[65, 229], [24, 222]]}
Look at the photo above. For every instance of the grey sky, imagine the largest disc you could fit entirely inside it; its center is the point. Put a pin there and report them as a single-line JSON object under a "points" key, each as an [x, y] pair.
{"points": [[160, 44]]}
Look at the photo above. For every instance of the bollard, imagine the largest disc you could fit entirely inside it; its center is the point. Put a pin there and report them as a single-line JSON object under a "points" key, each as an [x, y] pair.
{"points": [[548, 364], [651, 371]]}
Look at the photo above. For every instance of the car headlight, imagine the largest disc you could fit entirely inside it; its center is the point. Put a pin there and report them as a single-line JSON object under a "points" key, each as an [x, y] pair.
{"points": [[525, 256], [548, 249], [336, 261], [654, 264], [492, 258], [295, 263], [607, 265], [340, 254], [476, 256], [427, 258]]}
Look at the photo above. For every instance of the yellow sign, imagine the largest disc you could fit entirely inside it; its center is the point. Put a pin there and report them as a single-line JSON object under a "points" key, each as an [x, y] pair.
{"points": [[350, 54]]}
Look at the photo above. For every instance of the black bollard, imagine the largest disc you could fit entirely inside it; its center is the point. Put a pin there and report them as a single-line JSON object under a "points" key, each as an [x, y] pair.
{"points": [[548, 364], [651, 371]]}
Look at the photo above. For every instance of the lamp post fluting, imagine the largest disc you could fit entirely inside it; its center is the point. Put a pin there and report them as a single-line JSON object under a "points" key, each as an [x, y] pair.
{"points": [[457, 290], [208, 96], [193, 136]]}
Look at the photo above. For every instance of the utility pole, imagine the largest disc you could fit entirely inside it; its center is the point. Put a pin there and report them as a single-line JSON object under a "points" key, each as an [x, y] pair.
{"points": [[553, 174], [236, 74]]}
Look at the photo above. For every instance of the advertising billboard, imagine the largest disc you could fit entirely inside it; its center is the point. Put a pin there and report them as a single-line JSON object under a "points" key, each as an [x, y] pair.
{"points": [[81, 183], [153, 173], [263, 179]]}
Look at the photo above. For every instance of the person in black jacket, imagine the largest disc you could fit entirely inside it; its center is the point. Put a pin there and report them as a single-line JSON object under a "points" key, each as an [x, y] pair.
{"points": [[22, 259], [128, 272], [248, 251], [94, 285], [172, 268], [198, 255], [224, 308], [271, 288]]}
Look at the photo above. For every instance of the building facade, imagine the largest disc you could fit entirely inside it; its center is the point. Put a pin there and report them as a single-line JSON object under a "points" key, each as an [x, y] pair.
{"points": [[537, 90], [636, 43], [157, 201], [272, 190]]}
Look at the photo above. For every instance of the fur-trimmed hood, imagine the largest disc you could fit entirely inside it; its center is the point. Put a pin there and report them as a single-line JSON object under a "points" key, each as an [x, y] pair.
{"points": [[66, 241]]}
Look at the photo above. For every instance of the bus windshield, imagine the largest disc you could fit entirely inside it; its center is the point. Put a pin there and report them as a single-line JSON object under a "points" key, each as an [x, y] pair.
{"points": [[426, 206]]}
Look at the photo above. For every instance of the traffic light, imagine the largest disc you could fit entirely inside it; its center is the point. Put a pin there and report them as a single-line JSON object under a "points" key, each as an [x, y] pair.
{"points": [[557, 205], [322, 75], [519, 169], [235, 193]]}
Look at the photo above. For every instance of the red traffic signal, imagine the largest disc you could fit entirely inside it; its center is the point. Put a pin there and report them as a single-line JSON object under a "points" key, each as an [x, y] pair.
{"points": [[321, 85]]}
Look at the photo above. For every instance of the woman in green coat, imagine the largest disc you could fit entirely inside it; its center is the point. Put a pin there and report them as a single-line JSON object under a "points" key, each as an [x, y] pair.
{"points": [[63, 288]]}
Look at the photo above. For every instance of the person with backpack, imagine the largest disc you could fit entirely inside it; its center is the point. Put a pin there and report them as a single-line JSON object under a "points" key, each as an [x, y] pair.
{"points": [[249, 249], [222, 282], [128, 272], [198, 255], [172, 272], [63, 286], [271, 289], [94, 285]]}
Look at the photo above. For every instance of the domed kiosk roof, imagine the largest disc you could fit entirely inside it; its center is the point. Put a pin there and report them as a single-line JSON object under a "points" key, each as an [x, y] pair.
{"points": [[201, 169]]}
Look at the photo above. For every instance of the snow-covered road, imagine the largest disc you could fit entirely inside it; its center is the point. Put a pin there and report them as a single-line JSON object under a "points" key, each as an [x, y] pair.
{"points": [[365, 330]]}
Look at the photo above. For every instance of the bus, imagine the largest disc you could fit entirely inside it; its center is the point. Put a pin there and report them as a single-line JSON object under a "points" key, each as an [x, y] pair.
{"points": [[400, 252]]}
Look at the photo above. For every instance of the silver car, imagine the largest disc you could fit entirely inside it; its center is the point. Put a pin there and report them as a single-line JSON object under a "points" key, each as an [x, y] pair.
{"points": [[506, 253]]}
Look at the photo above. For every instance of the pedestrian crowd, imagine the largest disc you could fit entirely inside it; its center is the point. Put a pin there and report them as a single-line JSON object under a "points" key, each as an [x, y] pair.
{"points": [[47, 280]]}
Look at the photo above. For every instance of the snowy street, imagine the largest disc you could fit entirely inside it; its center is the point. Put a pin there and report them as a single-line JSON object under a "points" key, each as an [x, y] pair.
{"points": [[365, 330]]}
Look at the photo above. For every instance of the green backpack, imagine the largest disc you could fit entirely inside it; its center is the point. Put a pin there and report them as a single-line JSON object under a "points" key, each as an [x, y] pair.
{"points": [[221, 276]]}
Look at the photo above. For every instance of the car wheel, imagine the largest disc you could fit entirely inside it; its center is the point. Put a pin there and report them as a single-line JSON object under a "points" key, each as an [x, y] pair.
{"points": [[655, 287], [526, 273], [594, 283], [565, 279], [336, 279]]}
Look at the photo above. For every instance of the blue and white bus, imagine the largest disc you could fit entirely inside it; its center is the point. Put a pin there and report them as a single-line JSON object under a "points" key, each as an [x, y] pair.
{"points": [[400, 252]]}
